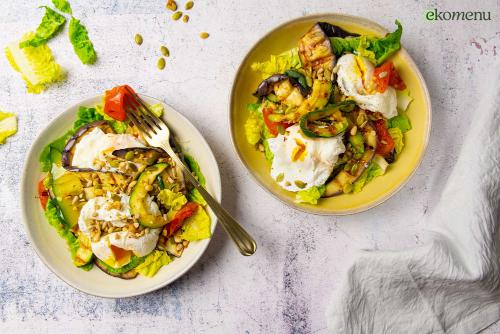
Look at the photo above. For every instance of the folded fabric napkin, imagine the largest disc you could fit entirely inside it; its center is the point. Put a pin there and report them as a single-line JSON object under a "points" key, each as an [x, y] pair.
{"points": [[452, 283]]}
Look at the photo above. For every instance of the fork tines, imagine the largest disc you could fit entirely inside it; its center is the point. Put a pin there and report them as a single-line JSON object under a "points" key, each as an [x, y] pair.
{"points": [[141, 115]]}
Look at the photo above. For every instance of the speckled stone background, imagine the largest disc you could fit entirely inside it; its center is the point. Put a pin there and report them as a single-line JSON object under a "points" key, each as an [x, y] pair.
{"points": [[285, 287]]}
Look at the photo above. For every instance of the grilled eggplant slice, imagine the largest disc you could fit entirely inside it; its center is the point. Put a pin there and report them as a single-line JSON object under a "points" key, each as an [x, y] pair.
{"points": [[141, 155], [316, 54], [69, 149], [269, 85]]}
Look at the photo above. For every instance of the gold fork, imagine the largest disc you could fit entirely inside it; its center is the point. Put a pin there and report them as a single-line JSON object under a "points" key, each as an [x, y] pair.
{"points": [[157, 134]]}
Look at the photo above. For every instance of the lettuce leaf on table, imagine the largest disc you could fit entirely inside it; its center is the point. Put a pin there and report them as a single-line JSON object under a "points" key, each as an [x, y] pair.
{"points": [[375, 49], [63, 6], [35, 64], [51, 24], [82, 45], [8, 125]]}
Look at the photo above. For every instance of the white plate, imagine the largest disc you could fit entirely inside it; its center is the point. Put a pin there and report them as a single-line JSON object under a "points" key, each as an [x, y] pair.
{"points": [[53, 250]]}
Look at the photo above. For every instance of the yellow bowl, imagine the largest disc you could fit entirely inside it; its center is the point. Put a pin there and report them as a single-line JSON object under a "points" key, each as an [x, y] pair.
{"points": [[285, 37]]}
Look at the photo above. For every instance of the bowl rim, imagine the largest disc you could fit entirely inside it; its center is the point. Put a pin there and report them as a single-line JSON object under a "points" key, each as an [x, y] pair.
{"points": [[411, 63], [40, 137]]}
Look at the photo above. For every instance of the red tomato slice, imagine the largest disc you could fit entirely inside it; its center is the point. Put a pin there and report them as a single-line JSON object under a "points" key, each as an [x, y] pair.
{"points": [[185, 212], [386, 75], [43, 194], [385, 143], [114, 100]]}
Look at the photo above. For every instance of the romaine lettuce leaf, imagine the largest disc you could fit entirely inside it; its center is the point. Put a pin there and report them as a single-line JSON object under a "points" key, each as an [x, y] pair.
{"points": [[172, 201], [8, 125], [35, 64], [310, 196], [82, 45], [157, 109], [63, 6], [397, 136], [153, 262], [401, 121], [372, 171], [253, 127], [278, 63], [375, 49], [51, 24], [86, 115], [197, 226], [46, 157], [195, 196], [404, 99], [267, 151], [195, 168]]}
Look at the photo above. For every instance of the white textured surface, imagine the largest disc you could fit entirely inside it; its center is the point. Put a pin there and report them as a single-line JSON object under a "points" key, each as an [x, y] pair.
{"points": [[282, 288]]}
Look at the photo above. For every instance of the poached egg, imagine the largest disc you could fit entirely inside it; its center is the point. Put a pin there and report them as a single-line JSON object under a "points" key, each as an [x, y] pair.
{"points": [[116, 248], [91, 150], [301, 162], [355, 79]]}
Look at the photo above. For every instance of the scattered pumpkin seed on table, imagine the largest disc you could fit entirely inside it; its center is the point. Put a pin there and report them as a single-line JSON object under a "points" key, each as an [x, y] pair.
{"points": [[204, 35], [164, 51], [161, 63], [176, 15], [189, 5], [138, 39], [185, 18], [172, 5]]}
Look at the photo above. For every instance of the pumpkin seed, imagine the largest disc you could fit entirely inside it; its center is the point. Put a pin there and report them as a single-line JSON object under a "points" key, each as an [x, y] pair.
{"points": [[138, 39], [129, 155], [176, 16], [204, 35], [280, 177], [172, 5], [161, 63], [189, 5], [300, 184], [165, 51], [185, 18]]}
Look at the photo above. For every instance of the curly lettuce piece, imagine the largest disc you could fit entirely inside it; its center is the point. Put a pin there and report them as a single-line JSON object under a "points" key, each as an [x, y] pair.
{"points": [[86, 115], [397, 136], [63, 6], [253, 127], [373, 170], [311, 195], [375, 49], [267, 150], [402, 122], [157, 109], [278, 63], [78, 36], [8, 125], [51, 24], [172, 201], [35, 64], [197, 226], [404, 99], [153, 262]]}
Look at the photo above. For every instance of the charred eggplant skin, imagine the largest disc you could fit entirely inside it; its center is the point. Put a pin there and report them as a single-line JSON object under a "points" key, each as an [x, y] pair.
{"points": [[266, 87], [67, 155], [335, 31]]}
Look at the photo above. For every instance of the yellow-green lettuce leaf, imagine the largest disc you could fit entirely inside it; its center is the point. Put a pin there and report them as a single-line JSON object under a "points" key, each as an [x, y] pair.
{"points": [[197, 226], [153, 262], [8, 125]]}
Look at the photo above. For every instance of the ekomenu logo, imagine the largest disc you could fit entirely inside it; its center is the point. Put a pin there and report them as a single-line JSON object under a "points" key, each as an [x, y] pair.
{"points": [[437, 15]]}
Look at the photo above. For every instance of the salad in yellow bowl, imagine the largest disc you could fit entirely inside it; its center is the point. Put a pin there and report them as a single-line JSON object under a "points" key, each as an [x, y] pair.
{"points": [[119, 203], [329, 114]]}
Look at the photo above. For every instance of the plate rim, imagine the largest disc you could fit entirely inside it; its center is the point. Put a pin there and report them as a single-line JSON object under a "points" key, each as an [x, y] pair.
{"points": [[43, 133], [411, 62]]}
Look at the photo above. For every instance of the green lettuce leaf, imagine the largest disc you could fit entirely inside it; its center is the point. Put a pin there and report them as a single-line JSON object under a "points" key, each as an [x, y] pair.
{"points": [[195, 196], [197, 226], [153, 262], [63, 6], [35, 64], [278, 63], [51, 24], [157, 109], [195, 168], [82, 45], [267, 151], [372, 171], [375, 49], [397, 136], [8, 125], [254, 126], [310, 196], [172, 201], [404, 99], [402, 122], [47, 157], [86, 115]]}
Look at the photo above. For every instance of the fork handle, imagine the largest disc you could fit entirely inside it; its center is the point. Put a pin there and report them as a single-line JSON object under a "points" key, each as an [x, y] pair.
{"points": [[243, 240]]}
